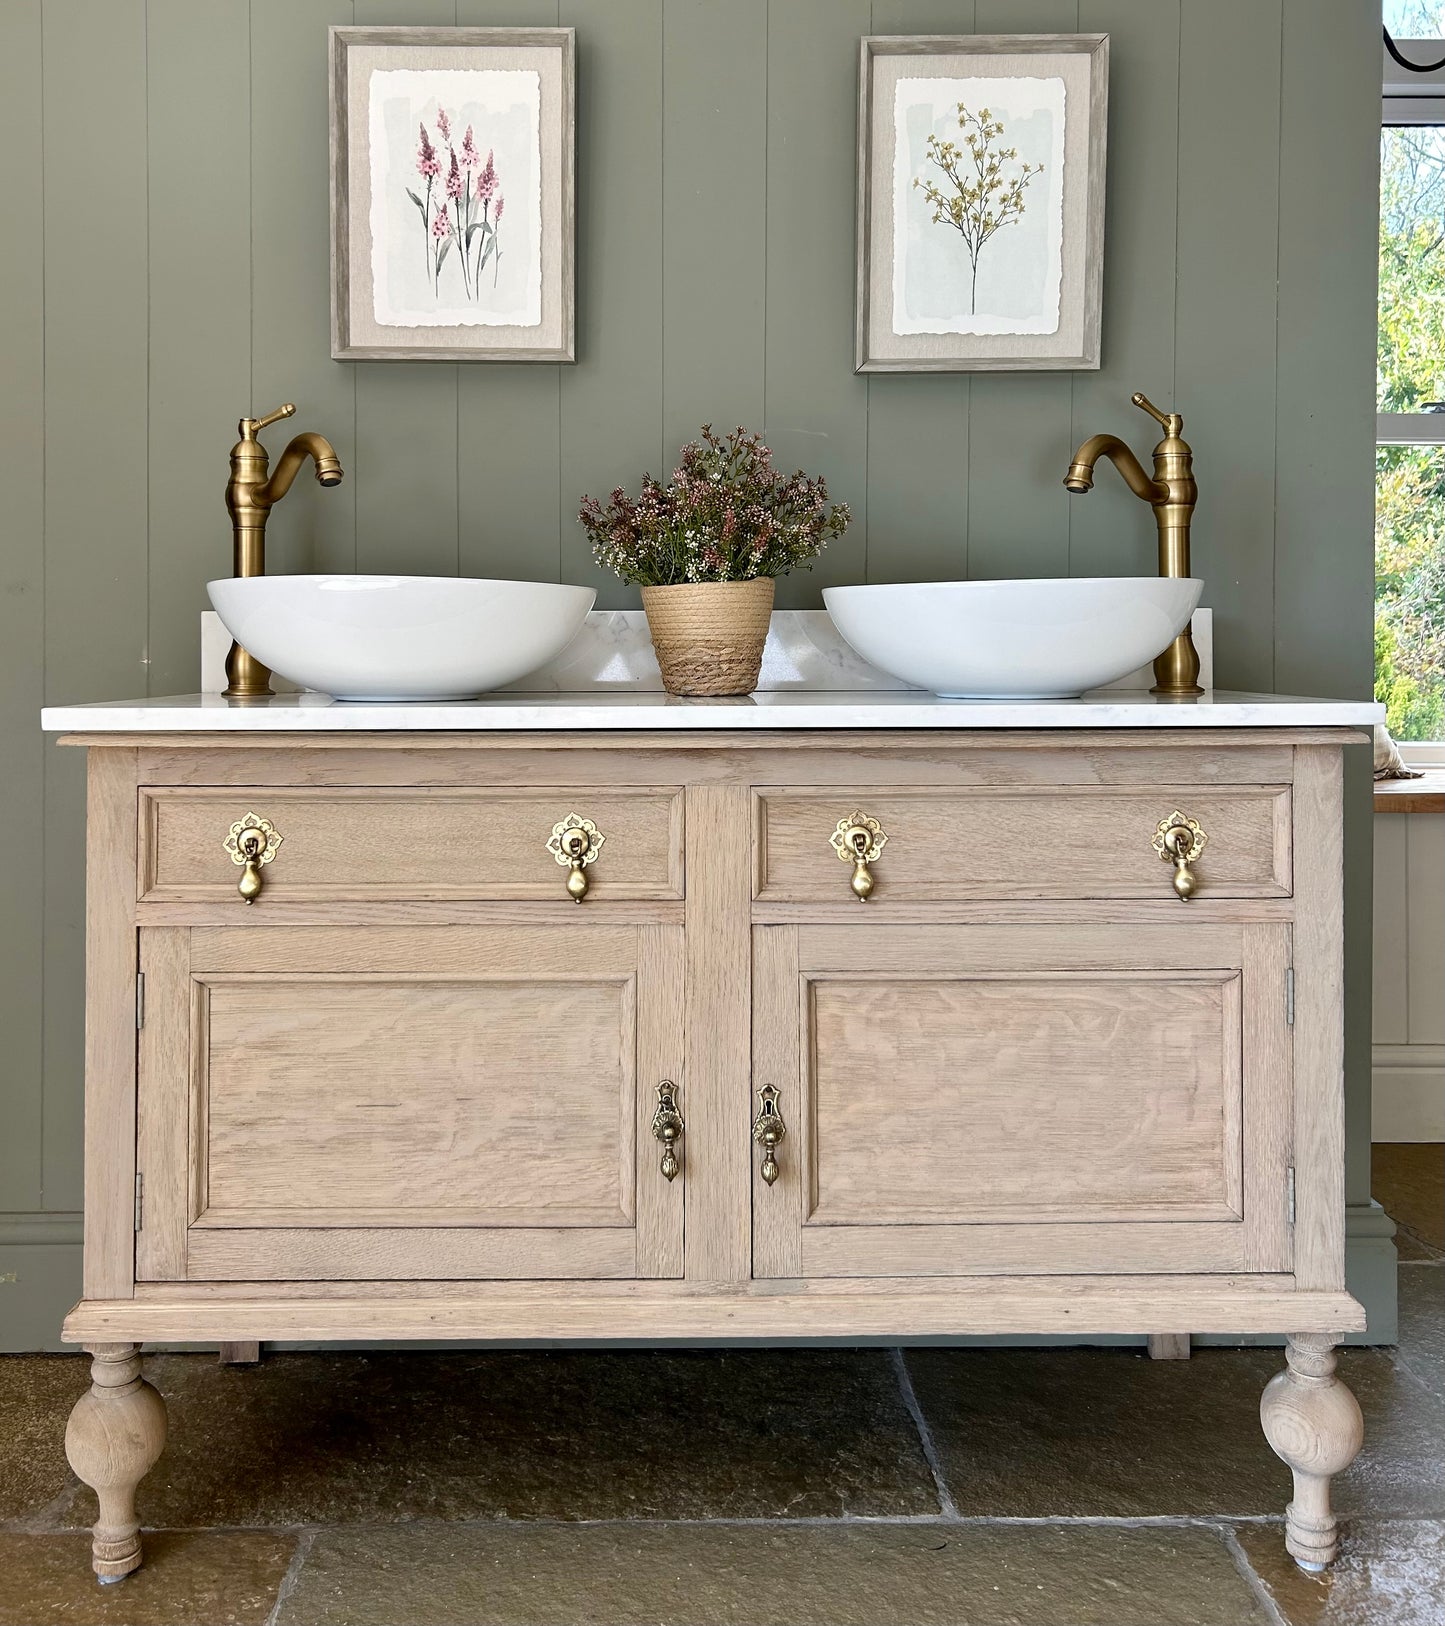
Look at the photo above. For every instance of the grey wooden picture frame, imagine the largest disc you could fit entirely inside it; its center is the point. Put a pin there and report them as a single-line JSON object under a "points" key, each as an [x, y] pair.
{"points": [[878, 348], [456, 343]]}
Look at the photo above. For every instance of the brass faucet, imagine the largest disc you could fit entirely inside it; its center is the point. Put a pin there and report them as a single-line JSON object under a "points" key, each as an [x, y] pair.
{"points": [[250, 497], [1172, 494]]}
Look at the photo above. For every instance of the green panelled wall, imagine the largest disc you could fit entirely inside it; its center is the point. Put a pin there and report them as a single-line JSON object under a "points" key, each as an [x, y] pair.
{"points": [[163, 269]]}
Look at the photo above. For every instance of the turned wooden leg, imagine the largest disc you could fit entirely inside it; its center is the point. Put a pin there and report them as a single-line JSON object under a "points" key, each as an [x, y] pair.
{"points": [[1313, 1423], [113, 1439]]}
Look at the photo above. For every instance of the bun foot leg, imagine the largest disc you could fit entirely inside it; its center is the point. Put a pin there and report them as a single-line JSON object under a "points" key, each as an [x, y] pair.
{"points": [[113, 1439], [1313, 1424]]}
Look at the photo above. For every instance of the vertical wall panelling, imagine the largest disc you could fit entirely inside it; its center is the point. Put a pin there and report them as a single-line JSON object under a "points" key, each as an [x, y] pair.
{"points": [[291, 279], [918, 424], [1021, 424], [1390, 1002], [611, 410], [1324, 435], [95, 326], [1111, 533], [714, 212], [1426, 949], [199, 163], [817, 407], [509, 513], [406, 419], [22, 585], [1229, 172]]}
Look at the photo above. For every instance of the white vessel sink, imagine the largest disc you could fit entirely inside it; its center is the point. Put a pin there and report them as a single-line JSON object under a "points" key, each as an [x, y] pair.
{"points": [[1014, 640], [400, 637]]}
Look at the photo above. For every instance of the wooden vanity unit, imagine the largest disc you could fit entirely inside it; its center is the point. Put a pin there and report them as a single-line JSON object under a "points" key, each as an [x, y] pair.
{"points": [[896, 1029]]}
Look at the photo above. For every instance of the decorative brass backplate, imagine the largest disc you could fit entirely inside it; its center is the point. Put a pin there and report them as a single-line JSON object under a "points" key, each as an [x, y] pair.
{"points": [[858, 841], [574, 843], [667, 1127], [1179, 840], [251, 842], [768, 1130]]}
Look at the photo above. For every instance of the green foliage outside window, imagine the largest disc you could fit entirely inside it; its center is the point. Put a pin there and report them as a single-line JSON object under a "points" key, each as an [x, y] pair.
{"points": [[1410, 480]]}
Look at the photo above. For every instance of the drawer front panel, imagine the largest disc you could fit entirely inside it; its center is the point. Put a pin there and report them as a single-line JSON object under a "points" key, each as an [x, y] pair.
{"points": [[1072, 842], [379, 844]]}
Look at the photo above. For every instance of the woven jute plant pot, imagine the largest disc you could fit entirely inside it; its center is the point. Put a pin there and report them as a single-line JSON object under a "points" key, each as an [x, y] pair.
{"points": [[709, 636]]}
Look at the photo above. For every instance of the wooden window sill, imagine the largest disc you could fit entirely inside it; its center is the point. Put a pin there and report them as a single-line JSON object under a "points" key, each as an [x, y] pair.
{"points": [[1425, 795]]}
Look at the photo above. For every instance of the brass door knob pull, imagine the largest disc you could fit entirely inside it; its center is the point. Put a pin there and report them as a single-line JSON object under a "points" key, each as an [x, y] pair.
{"points": [[251, 842], [858, 841], [1179, 841], [768, 1131], [574, 843], [668, 1127]]}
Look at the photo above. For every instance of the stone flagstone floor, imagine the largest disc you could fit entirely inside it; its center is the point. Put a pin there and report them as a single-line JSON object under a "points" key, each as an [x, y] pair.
{"points": [[747, 1488]]}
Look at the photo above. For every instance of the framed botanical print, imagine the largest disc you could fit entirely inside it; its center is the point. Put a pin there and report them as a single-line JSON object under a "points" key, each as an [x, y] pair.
{"points": [[981, 201], [453, 161]]}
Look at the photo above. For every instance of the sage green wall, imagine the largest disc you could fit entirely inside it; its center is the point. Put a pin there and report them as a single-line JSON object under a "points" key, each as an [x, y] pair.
{"points": [[163, 259]]}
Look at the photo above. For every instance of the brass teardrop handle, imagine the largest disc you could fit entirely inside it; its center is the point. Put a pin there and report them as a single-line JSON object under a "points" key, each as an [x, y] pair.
{"points": [[251, 842], [768, 1131], [1179, 841], [858, 841], [574, 843], [668, 1127]]}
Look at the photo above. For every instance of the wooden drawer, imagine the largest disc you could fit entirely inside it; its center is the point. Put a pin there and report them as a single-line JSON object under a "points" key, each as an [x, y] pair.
{"points": [[377, 844], [1063, 842]]}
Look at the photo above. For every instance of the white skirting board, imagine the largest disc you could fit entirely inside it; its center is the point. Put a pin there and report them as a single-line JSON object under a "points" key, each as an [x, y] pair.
{"points": [[1408, 1092]]}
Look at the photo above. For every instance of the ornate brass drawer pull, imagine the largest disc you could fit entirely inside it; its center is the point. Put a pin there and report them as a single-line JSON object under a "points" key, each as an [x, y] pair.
{"points": [[768, 1131], [858, 841], [1179, 841], [574, 844], [252, 842], [667, 1127]]}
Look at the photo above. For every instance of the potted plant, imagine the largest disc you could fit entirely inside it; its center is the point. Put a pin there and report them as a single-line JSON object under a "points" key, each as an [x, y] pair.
{"points": [[705, 549]]}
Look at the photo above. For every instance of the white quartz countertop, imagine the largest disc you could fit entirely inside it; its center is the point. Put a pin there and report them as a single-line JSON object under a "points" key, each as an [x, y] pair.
{"points": [[628, 708]]}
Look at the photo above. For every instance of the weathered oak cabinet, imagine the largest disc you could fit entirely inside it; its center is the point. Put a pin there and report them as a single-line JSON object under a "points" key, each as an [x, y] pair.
{"points": [[418, 1088]]}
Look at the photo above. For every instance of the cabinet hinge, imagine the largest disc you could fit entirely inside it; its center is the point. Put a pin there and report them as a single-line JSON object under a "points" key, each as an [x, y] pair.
{"points": [[139, 1198], [140, 999], [1289, 1192], [1289, 996]]}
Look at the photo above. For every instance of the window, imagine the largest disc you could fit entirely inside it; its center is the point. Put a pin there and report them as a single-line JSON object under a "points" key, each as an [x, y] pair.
{"points": [[1410, 401]]}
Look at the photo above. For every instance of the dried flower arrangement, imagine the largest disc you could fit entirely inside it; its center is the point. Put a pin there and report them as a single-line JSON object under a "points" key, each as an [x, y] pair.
{"points": [[704, 549], [726, 515]]}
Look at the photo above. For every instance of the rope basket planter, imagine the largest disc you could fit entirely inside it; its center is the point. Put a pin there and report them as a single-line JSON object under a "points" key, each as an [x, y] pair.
{"points": [[709, 636]]}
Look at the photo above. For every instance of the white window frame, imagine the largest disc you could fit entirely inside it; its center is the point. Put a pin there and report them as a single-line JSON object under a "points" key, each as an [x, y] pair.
{"points": [[1415, 98]]}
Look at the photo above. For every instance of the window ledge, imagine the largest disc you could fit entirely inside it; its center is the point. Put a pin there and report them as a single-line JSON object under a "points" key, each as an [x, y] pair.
{"points": [[1425, 795]]}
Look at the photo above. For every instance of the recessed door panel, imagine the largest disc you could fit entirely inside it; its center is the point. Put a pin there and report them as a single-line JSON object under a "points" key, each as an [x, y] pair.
{"points": [[1040, 1099], [407, 1102]]}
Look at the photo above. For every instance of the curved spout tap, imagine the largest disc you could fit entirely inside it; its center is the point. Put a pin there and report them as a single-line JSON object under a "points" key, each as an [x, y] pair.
{"points": [[300, 447], [250, 497], [1172, 495], [1080, 477]]}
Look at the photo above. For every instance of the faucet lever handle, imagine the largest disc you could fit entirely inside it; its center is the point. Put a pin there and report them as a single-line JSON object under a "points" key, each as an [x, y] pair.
{"points": [[258, 424], [1170, 422]]}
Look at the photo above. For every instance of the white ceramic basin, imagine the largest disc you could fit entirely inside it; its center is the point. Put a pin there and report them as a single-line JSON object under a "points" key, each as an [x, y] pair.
{"points": [[400, 637], [1014, 640]]}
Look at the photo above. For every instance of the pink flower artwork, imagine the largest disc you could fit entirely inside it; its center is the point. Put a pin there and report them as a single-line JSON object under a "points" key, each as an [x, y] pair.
{"points": [[461, 216]]}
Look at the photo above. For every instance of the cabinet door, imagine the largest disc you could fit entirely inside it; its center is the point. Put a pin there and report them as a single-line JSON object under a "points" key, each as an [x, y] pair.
{"points": [[379, 1102], [1024, 1099]]}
